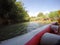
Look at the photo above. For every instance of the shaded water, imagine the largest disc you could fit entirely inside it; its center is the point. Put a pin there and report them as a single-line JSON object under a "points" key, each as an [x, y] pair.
{"points": [[18, 29]]}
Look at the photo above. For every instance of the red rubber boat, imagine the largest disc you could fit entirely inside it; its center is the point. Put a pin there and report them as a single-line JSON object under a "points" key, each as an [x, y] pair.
{"points": [[40, 36]]}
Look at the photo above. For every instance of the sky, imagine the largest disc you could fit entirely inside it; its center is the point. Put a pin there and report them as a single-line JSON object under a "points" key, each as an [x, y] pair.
{"points": [[35, 6]]}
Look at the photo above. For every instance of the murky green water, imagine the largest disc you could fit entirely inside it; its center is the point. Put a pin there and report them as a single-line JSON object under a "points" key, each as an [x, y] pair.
{"points": [[18, 29]]}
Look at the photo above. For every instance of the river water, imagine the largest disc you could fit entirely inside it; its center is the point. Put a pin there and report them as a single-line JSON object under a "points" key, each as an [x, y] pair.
{"points": [[18, 29], [33, 25]]}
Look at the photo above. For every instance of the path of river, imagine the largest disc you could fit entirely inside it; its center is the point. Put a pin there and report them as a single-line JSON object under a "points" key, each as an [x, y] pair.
{"points": [[18, 29]]}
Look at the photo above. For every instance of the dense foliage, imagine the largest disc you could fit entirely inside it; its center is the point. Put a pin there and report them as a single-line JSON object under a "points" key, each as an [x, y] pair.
{"points": [[12, 12], [54, 15], [41, 16]]}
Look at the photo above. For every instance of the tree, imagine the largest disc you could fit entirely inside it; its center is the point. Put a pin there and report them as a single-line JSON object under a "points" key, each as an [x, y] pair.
{"points": [[53, 15], [40, 14], [12, 11], [22, 13]]}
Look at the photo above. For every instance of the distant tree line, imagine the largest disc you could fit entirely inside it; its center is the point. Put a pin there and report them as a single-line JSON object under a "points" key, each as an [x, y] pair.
{"points": [[53, 15], [12, 12]]}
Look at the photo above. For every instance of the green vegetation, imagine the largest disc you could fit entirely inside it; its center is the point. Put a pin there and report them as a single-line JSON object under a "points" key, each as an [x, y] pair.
{"points": [[12, 12], [41, 15], [53, 15], [46, 18]]}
